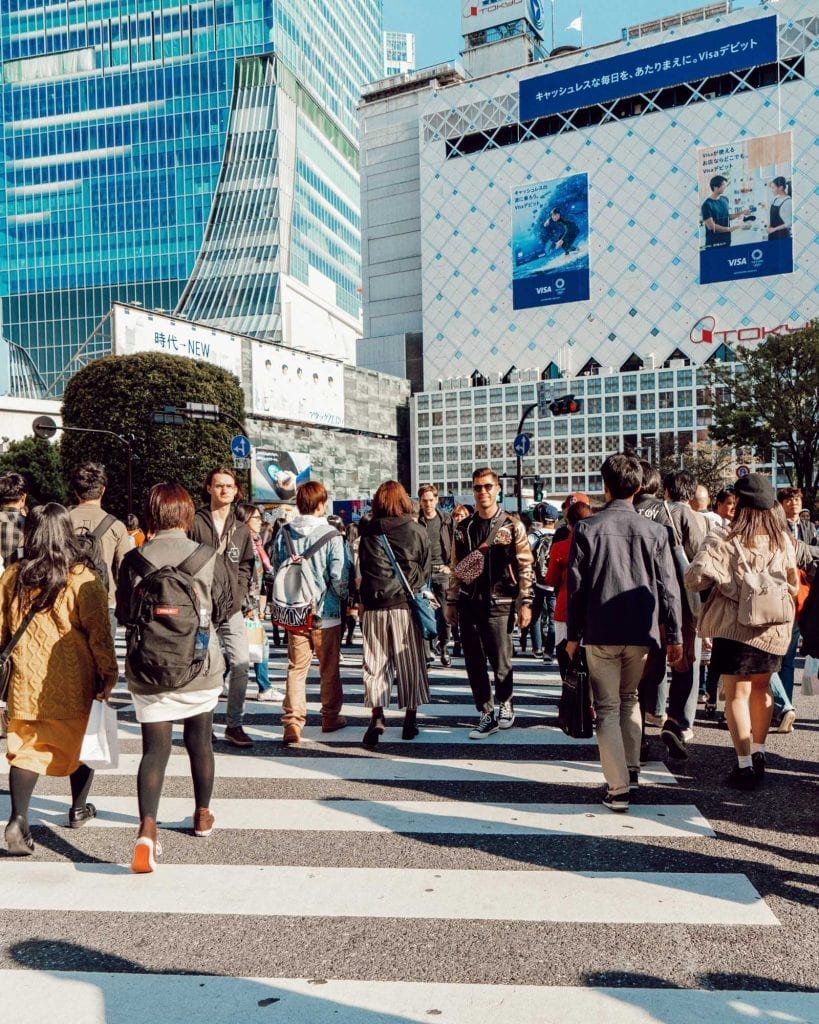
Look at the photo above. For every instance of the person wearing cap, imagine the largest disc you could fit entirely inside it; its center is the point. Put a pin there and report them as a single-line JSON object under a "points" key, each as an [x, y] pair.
{"points": [[745, 656], [563, 531]]}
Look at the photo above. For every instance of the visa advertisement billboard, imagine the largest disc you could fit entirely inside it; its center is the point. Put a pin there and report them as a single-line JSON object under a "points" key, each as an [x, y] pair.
{"points": [[550, 242], [746, 208]]}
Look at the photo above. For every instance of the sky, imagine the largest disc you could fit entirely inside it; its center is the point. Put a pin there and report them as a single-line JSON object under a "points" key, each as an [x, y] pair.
{"points": [[437, 23]]}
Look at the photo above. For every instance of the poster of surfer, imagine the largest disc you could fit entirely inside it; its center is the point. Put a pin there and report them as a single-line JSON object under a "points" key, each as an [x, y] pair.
{"points": [[550, 242]]}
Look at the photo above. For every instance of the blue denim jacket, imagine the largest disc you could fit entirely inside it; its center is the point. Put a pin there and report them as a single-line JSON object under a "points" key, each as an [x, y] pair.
{"points": [[329, 566]]}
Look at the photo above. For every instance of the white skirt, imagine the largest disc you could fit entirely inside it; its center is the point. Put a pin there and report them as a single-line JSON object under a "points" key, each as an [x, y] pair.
{"points": [[175, 705]]}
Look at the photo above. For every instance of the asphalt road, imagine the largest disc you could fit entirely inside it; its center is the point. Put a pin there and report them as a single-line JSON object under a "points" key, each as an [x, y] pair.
{"points": [[429, 894]]}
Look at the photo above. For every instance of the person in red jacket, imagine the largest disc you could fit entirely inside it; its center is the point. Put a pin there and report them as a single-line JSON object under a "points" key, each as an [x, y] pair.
{"points": [[556, 571]]}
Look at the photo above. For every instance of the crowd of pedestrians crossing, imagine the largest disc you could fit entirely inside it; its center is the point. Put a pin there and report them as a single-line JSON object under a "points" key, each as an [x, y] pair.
{"points": [[641, 590]]}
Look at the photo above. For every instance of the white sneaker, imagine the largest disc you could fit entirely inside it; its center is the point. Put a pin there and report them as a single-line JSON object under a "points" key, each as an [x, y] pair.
{"points": [[271, 696], [487, 725], [658, 720], [506, 715], [786, 721]]}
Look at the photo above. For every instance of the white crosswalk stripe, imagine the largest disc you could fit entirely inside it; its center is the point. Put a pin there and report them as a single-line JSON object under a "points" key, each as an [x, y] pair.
{"points": [[284, 821]]}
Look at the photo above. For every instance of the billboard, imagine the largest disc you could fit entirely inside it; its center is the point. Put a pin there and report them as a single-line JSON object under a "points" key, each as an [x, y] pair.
{"points": [[142, 330], [649, 68], [482, 14], [275, 475], [550, 242], [746, 208], [292, 385]]}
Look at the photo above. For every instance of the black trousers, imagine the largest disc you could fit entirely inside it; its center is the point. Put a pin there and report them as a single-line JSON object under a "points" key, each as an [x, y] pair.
{"points": [[439, 584], [487, 636]]}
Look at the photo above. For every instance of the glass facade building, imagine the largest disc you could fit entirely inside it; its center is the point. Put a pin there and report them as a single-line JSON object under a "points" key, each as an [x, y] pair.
{"points": [[191, 157]]}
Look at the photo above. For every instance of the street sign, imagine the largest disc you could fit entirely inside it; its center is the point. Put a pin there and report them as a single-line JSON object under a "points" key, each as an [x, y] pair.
{"points": [[240, 446], [44, 427], [742, 471], [521, 445], [239, 463]]}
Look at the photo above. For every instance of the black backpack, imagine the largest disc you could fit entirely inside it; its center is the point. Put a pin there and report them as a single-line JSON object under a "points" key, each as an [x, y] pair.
{"points": [[167, 639], [89, 544]]}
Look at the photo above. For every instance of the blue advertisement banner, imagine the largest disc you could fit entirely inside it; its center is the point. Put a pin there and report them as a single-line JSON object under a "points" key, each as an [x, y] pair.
{"points": [[650, 68], [275, 475], [746, 208], [550, 242]]}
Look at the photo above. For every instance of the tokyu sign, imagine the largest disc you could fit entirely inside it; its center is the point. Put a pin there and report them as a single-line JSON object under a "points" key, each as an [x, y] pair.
{"points": [[704, 332]]}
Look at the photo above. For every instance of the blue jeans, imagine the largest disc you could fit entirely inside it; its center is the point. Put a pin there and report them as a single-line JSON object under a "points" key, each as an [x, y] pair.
{"points": [[543, 607], [262, 671], [682, 694]]}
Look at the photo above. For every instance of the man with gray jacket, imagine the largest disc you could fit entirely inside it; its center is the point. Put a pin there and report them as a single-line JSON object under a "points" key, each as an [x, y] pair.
{"points": [[621, 589], [329, 566]]}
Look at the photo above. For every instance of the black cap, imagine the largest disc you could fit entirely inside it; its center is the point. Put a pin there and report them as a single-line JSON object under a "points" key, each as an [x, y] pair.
{"points": [[755, 491]]}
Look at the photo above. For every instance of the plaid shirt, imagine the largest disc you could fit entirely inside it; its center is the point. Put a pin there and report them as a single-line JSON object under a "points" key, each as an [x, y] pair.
{"points": [[11, 534]]}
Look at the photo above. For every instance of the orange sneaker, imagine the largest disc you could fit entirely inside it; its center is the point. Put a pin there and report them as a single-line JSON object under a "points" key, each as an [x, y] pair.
{"points": [[203, 822]]}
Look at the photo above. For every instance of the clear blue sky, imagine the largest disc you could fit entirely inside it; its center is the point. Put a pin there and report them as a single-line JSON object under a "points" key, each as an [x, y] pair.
{"points": [[437, 23]]}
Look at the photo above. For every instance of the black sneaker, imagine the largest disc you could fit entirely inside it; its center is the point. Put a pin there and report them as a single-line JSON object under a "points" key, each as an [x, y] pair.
{"points": [[616, 801], [742, 778], [235, 735], [446, 661], [672, 736], [645, 752], [633, 779], [487, 725], [758, 765]]}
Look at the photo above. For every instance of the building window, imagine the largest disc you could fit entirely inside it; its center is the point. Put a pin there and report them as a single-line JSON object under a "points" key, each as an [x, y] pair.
{"points": [[629, 403], [612, 424], [612, 384], [595, 425], [666, 399], [594, 405], [437, 419], [647, 382], [647, 401], [648, 421], [629, 382]]}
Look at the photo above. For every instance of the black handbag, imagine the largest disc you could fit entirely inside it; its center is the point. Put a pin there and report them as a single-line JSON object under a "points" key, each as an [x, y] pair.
{"points": [[574, 714], [5, 655], [422, 611]]}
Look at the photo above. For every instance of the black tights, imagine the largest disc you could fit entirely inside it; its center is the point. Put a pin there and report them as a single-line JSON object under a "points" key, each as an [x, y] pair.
{"points": [[22, 783], [156, 749]]}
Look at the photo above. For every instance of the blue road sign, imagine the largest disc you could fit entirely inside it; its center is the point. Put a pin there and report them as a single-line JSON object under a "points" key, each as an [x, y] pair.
{"points": [[521, 445], [240, 446]]}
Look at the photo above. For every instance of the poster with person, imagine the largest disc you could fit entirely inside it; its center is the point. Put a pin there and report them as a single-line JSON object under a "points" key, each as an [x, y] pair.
{"points": [[550, 242], [293, 385], [746, 208]]}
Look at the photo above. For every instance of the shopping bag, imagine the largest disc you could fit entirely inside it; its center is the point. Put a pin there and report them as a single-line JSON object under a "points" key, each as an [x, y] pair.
{"points": [[256, 641], [810, 678], [574, 715], [100, 746]]}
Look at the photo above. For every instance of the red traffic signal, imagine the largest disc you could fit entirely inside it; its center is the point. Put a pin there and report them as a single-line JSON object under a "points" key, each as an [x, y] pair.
{"points": [[565, 405]]}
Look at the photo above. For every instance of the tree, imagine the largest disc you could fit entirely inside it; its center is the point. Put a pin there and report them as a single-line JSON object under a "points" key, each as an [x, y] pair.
{"points": [[38, 462], [711, 464], [119, 394], [772, 397]]}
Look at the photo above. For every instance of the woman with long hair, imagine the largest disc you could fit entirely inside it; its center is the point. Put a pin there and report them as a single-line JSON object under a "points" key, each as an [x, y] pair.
{"points": [[251, 516], [393, 645], [745, 656], [781, 211], [169, 512], [63, 660]]}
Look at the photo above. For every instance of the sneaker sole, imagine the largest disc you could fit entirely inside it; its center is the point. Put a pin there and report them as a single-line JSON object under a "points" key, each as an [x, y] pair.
{"points": [[618, 808], [239, 743], [145, 853], [506, 723], [675, 746], [201, 834], [483, 735]]}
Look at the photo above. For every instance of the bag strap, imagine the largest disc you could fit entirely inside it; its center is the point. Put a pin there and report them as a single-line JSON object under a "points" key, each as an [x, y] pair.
{"points": [[399, 572], [15, 638], [674, 527], [103, 526], [500, 519], [197, 559], [325, 538]]}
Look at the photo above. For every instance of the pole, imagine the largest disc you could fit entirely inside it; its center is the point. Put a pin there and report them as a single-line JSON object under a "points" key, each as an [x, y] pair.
{"points": [[519, 469], [553, 24]]}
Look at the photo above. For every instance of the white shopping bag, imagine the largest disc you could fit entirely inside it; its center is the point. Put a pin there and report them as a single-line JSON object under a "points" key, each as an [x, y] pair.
{"points": [[100, 747], [810, 678]]}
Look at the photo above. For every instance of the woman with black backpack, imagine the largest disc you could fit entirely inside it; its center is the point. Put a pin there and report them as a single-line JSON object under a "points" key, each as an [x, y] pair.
{"points": [[172, 593], [749, 614]]}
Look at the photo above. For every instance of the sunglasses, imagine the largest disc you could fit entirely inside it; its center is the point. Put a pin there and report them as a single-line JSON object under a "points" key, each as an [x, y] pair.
{"points": [[482, 487]]}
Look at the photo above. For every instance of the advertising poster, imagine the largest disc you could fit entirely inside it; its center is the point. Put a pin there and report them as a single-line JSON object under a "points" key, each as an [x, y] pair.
{"points": [[350, 511], [550, 242], [746, 208], [293, 385], [275, 475]]}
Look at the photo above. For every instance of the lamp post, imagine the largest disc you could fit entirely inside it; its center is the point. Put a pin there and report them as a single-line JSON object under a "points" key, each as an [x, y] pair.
{"points": [[519, 467]]}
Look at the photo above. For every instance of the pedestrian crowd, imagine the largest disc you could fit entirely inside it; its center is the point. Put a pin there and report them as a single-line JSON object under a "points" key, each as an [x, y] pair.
{"points": [[661, 599]]}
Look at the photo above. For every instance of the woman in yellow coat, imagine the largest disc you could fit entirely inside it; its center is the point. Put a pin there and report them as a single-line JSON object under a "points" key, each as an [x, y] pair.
{"points": [[64, 659]]}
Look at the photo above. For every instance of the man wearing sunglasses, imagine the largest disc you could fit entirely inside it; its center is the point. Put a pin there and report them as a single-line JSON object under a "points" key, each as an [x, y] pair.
{"points": [[486, 607]]}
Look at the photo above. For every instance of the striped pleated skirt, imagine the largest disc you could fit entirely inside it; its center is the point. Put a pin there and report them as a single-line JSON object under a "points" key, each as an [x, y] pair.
{"points": [[393, 651]]}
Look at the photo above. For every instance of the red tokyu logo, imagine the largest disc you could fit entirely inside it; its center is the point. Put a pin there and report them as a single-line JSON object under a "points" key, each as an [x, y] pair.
{"points": [[165, 611]]}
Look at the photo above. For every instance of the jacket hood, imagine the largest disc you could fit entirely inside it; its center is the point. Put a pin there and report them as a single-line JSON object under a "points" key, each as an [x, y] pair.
{"points": [[384, 524], [306, 525]]}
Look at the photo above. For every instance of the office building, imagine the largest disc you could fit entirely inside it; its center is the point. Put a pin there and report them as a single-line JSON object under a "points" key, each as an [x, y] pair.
{"points": [[194, 158], [399, 53], [612, 152]]}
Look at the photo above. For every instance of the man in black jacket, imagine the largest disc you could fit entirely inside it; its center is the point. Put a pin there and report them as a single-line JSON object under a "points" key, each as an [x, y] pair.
{"points": [[439, 531], [216, 524], [486, 608], [621, 588]]}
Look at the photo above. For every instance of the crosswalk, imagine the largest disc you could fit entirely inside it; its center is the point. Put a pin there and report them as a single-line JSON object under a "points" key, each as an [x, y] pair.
{"points": [[440, 879]]}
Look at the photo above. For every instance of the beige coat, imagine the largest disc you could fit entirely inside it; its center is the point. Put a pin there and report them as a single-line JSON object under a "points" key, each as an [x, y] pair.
{"points": [[62, 653], [717, 564]]}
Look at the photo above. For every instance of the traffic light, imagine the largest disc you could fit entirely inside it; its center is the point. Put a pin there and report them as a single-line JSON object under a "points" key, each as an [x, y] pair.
{"points": [[565, 405], [537, 490]]}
